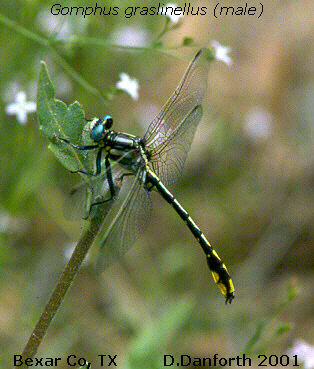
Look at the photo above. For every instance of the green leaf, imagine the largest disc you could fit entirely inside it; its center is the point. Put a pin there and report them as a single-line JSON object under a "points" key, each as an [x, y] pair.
{"points": [[58, 121]]}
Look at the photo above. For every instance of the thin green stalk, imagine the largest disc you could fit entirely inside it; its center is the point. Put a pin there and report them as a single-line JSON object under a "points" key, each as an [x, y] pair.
{"points": [[76, 77], [105, 43], [14, 26], [93, 41], [164, 30], [62, 287]]}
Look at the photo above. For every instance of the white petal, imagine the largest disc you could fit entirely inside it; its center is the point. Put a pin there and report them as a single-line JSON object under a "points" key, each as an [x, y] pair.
{"points": [[11, 109], [304, 351], [258, 124], [30, 106], [21, 116], [20, 97]]}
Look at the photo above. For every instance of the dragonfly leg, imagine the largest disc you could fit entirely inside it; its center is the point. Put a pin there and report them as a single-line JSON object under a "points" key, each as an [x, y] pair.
{"points": [[109, 177], [78, 147], [100, 202], [125, 175], [86, 147], [98, 162], [98, 166], [110, 182]]}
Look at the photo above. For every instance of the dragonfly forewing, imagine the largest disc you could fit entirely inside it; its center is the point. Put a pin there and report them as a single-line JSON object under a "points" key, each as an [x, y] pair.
{"points": [[164, 132], [168, 159]]}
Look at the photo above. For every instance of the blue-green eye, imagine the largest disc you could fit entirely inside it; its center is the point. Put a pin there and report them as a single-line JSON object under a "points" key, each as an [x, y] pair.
{"points": [[97, 132], [108, 121]]}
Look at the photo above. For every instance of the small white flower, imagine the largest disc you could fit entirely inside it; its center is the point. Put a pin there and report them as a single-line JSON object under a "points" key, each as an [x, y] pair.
{"points": [[130, 36], [169, 12], [21, 107], [221, 52], [304, 351], [258, 124], [129, 85]]}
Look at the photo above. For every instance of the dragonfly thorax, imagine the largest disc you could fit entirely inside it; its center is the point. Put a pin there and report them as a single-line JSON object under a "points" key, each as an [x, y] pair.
{"points": [[126, 149]]}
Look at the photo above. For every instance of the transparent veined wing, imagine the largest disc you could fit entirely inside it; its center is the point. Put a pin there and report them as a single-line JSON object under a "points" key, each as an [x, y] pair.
{"points": [[83, 200], [87, 199], [133, 209], [182, 109], [168, 159]]}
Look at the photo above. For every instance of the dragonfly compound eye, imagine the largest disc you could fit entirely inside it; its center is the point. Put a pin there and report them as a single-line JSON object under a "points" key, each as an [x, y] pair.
{"points": [[107, 121], [97, 132]]}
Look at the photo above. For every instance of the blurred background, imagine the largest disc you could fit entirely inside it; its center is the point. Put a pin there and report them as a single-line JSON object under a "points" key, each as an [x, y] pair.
{"points": [[247, 183]]}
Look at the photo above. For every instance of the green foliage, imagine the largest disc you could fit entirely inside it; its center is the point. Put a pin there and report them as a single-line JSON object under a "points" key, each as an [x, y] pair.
{"points": [[57, 121]]}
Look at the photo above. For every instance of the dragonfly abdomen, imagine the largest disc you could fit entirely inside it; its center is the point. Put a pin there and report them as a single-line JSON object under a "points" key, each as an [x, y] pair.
{"points": [[218, 269]]}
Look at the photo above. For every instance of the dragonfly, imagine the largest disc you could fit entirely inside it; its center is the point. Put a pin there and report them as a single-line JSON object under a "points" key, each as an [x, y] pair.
{"points": [[151, 162]]}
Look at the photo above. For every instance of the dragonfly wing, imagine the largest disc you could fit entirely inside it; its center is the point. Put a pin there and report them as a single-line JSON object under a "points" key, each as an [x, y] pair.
{"points": [[179, 110], [169, 158], [83, 199], [78, 203], [130, 220]]}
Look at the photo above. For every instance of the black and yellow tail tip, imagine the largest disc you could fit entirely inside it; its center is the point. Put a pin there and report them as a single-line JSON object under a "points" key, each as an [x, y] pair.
{"points": [[226, 287], [220, 275]]}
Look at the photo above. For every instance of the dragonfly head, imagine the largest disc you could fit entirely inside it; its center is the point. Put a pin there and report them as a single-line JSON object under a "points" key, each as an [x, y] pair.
{"points": [[100, 128]]}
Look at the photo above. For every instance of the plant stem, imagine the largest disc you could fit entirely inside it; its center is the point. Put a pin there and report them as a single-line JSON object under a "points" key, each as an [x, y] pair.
{"points": [[43, 41], [164, 30], [76, 77], [23, 31], [62, 287]]}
